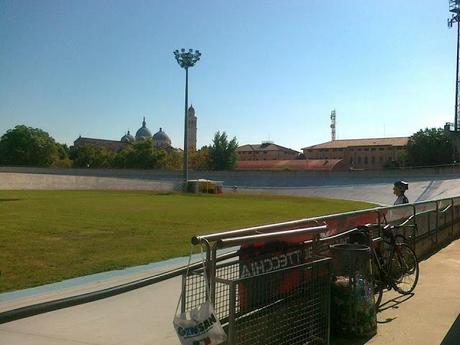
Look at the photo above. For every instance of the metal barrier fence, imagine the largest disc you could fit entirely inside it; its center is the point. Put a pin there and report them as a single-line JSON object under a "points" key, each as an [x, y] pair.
{"points": [[280, 295]]}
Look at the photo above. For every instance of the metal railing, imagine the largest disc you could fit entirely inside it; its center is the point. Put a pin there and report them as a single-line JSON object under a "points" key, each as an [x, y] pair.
{"points": [[426, 225]]}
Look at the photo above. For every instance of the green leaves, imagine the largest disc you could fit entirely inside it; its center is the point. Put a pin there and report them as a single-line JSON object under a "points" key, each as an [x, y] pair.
{"points": [[222, 153], [27, 146], [90, 156], [430, 147]]}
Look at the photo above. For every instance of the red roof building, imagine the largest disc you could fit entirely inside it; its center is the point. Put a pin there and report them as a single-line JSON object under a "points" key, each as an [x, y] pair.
{"points": [[294, 164]]}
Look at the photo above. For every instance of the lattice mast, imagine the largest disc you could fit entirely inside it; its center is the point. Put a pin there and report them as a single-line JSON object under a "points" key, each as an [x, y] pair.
{"points": [[454, 8], [333, 123]]}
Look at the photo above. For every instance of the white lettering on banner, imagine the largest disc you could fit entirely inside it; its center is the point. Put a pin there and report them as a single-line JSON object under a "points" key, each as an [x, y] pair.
{"points": [[271, 264], [308, 253]]}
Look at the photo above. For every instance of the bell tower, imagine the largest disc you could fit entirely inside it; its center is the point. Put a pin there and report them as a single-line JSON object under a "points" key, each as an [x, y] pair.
{"points": [[191, 124]]}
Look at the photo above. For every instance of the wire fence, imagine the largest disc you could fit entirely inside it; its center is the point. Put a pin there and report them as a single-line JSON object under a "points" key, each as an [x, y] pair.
{"points": [[274, 299]]}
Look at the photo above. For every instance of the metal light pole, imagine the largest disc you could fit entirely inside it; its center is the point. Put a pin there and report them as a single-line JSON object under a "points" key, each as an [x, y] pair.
{"points": [[186, 59], [454, 8]]}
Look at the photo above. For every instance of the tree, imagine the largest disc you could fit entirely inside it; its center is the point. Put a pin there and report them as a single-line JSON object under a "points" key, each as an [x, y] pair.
{"points": [[222, 153], [172, 160], [140, 155], [199, 160], [63, 159], [430, 147], [27, 146], [90, 156]]}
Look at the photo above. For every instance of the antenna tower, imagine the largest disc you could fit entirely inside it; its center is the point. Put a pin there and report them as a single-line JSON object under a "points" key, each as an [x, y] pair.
{"points": [[454, 8], [333, 123]]}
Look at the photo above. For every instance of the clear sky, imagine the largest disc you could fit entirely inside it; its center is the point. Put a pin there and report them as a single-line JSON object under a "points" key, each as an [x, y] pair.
{"points": [[270, 70]]}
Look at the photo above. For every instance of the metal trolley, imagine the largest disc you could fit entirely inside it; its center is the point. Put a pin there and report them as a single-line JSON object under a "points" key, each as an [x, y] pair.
{"points": [[279, 296]]}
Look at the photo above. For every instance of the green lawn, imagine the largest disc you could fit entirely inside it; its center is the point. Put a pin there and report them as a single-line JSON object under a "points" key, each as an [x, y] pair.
{"points": [[47, 236]]}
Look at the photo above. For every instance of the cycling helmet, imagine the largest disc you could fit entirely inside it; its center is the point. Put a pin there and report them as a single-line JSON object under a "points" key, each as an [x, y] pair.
{"points": [[402, 185]]}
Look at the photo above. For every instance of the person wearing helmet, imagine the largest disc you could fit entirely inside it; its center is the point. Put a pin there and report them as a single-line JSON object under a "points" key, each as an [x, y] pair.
{"points": [[399, 189]]}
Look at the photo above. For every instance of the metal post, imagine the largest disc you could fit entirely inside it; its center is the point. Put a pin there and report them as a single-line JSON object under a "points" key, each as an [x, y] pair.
{"points": [[415, 228], [456, 125], [452, 218], [212, 273], [231, 313], [437, 220], [184, 291], [186, 130], [208, 265]]}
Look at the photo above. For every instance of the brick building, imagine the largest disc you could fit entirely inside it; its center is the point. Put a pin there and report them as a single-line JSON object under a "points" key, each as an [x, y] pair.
{"points": [[361, 153], [265, 151]]}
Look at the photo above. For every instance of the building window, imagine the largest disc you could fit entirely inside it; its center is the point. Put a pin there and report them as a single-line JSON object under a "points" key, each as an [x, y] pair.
{"points": [[351, 160], [373, 149], [365, 160], [381, 159], [366, 149], [381, 148], [359, 160], [373, 160]]}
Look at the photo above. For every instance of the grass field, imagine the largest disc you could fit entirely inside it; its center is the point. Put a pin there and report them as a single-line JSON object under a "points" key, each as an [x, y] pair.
{"points": [[48, 236]]}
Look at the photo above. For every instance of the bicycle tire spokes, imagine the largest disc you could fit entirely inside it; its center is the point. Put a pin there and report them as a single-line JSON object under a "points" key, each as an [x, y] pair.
{"points": [[403, 269]]}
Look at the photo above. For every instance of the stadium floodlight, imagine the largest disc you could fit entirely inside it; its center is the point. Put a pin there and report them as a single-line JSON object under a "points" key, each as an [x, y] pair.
{"points": [[186, 59], [454, 8]]}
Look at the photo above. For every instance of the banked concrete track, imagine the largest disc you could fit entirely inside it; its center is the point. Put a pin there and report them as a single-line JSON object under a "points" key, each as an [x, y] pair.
{"points": [[372, 186]]}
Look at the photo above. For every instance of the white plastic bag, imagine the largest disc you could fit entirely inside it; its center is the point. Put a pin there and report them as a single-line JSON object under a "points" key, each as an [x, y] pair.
{"points": [[202, 328], [199, 326]]}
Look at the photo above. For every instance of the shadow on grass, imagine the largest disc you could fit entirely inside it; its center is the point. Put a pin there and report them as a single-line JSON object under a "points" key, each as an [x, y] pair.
{"points": [[9, 200], [453, 336]]}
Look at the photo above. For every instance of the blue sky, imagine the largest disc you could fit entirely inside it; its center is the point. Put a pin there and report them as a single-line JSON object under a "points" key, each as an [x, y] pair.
{"points": [[270, 70]]}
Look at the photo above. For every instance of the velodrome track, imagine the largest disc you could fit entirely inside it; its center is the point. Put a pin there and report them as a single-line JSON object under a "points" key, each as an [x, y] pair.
{"points": [[376, 192], [364, 187]]}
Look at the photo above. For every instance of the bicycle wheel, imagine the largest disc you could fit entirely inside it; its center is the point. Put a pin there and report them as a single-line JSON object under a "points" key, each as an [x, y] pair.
{"points": [[379, 285], [378, 292], [403, 269]]}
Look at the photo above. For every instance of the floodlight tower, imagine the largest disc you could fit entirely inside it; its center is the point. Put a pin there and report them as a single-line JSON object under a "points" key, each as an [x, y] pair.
{"points": [[454, 8], [186, 60], [333, 123]]}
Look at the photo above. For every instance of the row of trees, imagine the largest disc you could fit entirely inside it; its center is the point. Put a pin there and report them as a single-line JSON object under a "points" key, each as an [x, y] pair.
{"points": [[26, 146]]}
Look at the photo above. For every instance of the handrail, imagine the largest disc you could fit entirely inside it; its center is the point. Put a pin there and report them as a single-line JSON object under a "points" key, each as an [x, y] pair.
{"points": [[256, 230], [228, 242]]}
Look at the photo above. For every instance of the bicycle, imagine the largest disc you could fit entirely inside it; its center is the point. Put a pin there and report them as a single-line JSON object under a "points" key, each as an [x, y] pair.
{"points": [[396, 267]]}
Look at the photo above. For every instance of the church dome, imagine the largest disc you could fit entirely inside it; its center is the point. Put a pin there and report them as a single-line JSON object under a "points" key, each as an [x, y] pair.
{"points": [[143, 132], [160, 138], [127, 138]]}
